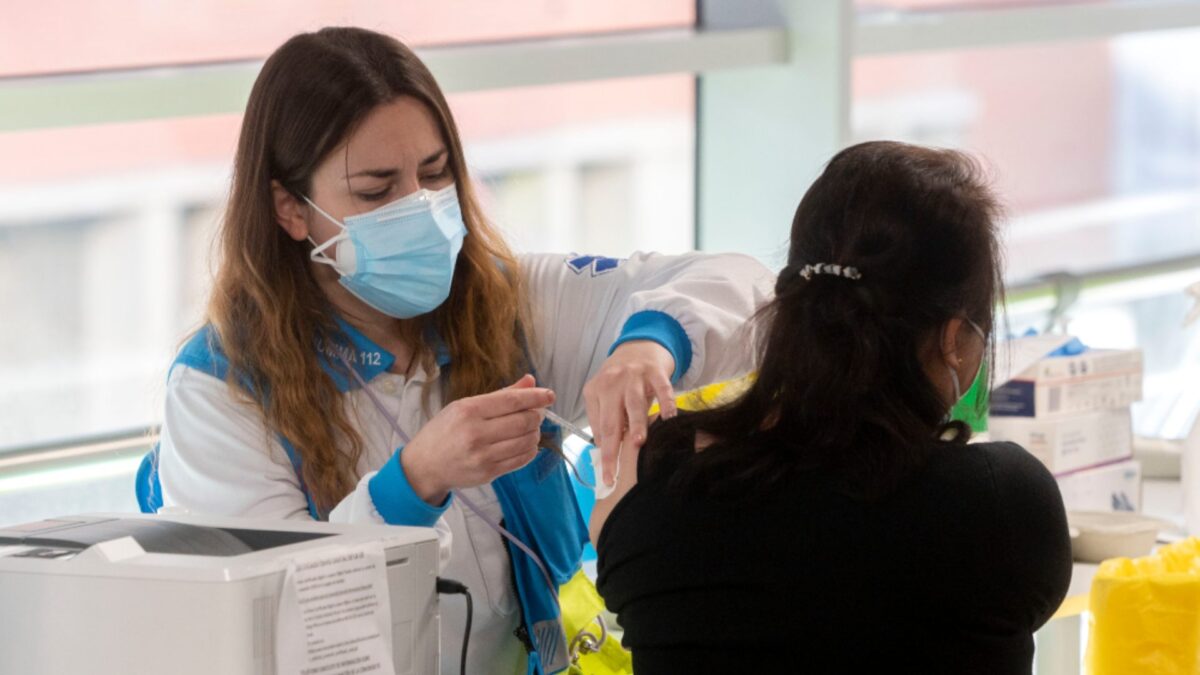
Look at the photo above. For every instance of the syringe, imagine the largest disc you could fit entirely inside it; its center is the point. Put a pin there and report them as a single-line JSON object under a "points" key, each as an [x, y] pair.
{"points": [[601, 488]]}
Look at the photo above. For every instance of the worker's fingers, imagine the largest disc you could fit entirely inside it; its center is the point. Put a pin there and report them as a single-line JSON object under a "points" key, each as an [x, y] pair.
{"points": [[665, 393], [513, 425], [609, 431], [522, 395], [636, 408]]}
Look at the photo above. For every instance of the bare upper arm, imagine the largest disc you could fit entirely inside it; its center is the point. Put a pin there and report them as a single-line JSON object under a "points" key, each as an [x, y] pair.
{"points": [[626, 479]]}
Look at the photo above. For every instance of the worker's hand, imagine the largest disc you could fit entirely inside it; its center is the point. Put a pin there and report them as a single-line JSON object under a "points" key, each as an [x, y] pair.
{"points": [[474, 440], [618, 398]]}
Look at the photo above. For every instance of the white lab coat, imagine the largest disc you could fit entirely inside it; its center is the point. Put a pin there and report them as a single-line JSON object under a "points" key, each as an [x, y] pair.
{"points": [[217, 457]]}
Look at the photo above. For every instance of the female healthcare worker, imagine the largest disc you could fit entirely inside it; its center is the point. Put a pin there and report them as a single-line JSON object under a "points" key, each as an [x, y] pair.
{"points": [[363, 299]]}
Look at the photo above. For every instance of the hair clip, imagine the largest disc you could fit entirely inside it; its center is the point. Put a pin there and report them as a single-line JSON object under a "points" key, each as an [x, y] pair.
{"points": [[847, 272]]}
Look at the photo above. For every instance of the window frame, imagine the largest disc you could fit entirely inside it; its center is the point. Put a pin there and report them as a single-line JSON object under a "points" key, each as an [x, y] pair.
{"points": [[788, 60]]}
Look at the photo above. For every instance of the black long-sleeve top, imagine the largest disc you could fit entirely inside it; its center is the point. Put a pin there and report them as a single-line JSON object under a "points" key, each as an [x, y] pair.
{"points": [[952, 572]]}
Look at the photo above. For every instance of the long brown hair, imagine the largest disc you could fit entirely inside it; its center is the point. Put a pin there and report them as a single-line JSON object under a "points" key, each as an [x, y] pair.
{"points": [[841, 387], [266, 307]]}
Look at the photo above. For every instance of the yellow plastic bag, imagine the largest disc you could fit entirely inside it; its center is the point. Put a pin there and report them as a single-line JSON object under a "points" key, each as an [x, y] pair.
{"points": [[581, 605], [1145, 613], [711, 395]]}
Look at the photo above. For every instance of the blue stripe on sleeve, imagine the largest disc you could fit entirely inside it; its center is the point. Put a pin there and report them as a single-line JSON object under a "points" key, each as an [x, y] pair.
{"points": [[395, 500], [663, 329]]}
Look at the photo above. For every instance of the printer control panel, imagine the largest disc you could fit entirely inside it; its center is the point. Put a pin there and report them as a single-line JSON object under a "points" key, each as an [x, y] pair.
{"points": [[47, 553]]}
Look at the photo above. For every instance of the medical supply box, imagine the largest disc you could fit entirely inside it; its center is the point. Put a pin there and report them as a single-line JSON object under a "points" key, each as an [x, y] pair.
{"points": [[1112, 487], [1070, 443], [187, 595], [1054, 386]]}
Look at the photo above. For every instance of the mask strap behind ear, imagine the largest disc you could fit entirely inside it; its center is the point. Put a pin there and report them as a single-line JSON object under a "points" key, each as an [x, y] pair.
{"points": [[954, 371], [977, 329], [958, 392], [318, 252], [321, 211], [957, 385]]}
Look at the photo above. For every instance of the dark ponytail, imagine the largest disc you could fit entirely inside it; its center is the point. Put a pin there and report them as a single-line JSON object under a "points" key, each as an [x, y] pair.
{"points": [[841, 385]]}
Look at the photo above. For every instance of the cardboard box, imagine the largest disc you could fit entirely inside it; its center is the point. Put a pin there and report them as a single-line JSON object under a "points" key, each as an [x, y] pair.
{"points": [[1066, 444], [1112, 487], [1066, 385]]}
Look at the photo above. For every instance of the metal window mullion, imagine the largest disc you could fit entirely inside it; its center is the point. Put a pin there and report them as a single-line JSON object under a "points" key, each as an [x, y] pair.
{"points": [[131, 95], [763, 134], [881, 33]]}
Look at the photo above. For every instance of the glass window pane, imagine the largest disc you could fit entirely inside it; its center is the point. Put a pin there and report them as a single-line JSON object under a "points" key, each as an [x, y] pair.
{"points": [[62, 36], [1146, 313], [1094, 145], [587, 167], [103, 486], [106, 232]]}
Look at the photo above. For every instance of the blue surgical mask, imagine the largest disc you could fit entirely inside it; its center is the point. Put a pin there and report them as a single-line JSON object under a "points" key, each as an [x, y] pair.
{"points": [[400, 257]]}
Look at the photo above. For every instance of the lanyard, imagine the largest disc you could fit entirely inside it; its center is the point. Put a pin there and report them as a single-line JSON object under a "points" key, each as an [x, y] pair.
{"points": [[404, 438], [583, 642]]}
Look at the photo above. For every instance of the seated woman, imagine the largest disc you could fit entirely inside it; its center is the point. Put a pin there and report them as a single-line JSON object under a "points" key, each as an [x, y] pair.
{"points": [[832, 519]]}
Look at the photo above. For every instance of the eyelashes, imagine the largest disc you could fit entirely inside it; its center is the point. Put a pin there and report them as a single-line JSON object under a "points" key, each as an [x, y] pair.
{"points": [[383, 194], [374, 196]]}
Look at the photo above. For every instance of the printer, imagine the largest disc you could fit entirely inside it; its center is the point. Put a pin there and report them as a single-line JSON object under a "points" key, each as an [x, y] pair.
{"points": [[126, 594]]}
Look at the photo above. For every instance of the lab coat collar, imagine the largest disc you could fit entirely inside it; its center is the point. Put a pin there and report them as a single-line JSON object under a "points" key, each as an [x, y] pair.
{"points": [[366, 357]]}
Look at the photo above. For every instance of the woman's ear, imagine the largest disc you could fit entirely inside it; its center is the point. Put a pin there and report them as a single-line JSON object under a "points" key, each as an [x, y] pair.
{"points": [[290, 213], [951, 349]]}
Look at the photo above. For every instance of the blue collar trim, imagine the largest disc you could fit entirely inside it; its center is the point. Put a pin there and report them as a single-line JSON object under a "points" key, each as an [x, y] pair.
{"points": [[441, 352], [368, 358]]}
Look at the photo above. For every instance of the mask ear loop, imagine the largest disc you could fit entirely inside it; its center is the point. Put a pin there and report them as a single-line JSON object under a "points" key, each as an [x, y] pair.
{"points": [[979, 331], [982, 336], [318, 252], [957, 385], [958, 393]]}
